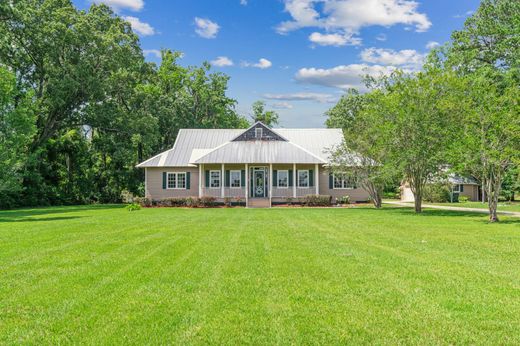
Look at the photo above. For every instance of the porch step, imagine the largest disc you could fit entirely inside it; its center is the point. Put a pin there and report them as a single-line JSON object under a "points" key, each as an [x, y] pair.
{"points": [[258, 203]]}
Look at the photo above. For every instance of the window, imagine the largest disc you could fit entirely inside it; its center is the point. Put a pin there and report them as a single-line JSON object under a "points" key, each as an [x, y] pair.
{"points": [[176, 180], [457, 188], [258, 132], [235, 178], [303, 178], [344, 182], [214, 179], [283, 178]]}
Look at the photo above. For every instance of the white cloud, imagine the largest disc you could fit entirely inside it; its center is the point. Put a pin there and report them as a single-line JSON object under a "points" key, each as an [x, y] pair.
{"points": [[333, 39], [142, 28], [222, 61], [381, 37], [155, 52], [432, 44], [206, 28], [348, 17], [408, 58], [117, 5], [262, 64], [282, 105], [243, 2], [343, 76], [303, 96]]}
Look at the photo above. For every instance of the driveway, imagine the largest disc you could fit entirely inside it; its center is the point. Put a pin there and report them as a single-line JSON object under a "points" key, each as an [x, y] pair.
{"points": [[475, 210]]}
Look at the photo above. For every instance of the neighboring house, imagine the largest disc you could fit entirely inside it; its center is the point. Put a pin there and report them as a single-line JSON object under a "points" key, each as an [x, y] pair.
{"points": [[259, 165], [460, 186]]}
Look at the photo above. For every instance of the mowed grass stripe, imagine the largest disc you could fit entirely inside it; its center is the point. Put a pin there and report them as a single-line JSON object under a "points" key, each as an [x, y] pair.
{"points": [[279, 276]]}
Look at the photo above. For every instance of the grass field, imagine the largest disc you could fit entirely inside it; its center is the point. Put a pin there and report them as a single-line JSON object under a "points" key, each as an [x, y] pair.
{"points": [[103, 275]]}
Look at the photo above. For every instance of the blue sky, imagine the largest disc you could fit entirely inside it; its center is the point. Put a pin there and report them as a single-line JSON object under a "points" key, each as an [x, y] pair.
{"points": [[297, 55]]}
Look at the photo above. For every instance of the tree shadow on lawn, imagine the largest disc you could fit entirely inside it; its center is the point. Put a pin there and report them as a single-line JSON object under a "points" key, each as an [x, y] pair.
{"points": [[34, 214], [480, 217]]}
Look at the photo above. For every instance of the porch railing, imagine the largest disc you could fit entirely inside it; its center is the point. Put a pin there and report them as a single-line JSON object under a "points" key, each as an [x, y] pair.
{"points": [[241, 192]]}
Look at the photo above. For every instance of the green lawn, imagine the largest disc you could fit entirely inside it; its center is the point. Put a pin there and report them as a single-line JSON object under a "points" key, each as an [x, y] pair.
{"points": [[103, 275]]}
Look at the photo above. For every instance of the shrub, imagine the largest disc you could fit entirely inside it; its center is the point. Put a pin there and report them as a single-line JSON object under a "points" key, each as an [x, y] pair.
{"points": [[192, 202], [227, 201], [290, 200], [133, 207], [437, 193], [207, 201], [317, 200], [143, 202], [343, 199], [239, 201], [127, 197], [463, 199]]}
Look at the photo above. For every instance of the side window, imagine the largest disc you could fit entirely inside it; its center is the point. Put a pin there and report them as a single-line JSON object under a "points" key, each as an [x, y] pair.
{"points": [[303, 178], [214, 179], [235, 178], [283, 178]]}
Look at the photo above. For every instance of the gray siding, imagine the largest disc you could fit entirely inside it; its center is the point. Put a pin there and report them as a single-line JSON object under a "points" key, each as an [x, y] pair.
{"points": [[154, 186]]}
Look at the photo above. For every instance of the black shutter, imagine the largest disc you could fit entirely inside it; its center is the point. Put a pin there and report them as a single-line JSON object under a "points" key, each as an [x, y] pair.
{"points": [[188, 176], [226, 183], [311, 177], [290, 177], [243, 177], [206, 174], [275, 178], [461, 188], [331, 181], [164, 180]]}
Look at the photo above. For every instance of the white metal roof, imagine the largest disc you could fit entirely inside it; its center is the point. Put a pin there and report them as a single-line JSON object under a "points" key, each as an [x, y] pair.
{"points": [[194, 145]]}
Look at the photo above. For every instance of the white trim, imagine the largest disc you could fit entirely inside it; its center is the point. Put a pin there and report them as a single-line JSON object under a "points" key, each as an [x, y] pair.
{"points": [[219, 180], [247, 185], [145, 182], [308, 178], [458, 188], [222, 182], [200, 180], [317, 179], [231, 180], [177, 181], [294, 181], [278, 180], [270, 185]]}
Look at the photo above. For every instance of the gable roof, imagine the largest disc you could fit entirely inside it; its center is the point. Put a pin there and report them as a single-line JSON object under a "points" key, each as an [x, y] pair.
{"points": [[192, 145]]}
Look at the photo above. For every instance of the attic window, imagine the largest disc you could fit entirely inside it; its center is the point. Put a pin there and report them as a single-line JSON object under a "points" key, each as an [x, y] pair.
{"points": [[258, 132]]}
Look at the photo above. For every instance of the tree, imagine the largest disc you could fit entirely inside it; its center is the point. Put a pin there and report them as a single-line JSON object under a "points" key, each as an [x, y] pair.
{"points": [[361, 156], [16, 130], [269, 118], [411, 118], [486, 54]]}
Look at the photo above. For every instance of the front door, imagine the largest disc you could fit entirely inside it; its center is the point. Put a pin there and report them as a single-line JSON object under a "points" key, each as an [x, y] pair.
{"points": [[259, 182]]}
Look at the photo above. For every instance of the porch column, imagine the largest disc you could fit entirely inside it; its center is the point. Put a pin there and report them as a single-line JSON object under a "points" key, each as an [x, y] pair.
{"points": [[247, 183], [200, 179], [294, 180], [317, 179], [270, 183], [222, 181]]}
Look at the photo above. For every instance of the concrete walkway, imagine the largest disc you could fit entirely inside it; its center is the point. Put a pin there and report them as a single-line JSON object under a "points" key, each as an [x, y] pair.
{"points": [[474, 210]]}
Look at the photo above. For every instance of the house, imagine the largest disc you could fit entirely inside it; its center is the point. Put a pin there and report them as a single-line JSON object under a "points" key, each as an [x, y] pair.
{"points": [[459, 186], [259, 165]]}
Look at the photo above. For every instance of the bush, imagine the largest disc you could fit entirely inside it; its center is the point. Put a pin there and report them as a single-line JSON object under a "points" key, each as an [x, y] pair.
{"points": [[227, 201], [133, 207], [289, 200], [207, 202], [463, 199], [143, 202], [437, 193], [192, 202], [343, 199], [127, 197], [317, 200]]}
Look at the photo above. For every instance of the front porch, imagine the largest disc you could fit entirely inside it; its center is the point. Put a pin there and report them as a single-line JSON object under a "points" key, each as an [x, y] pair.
{"points": [[259, 184]]}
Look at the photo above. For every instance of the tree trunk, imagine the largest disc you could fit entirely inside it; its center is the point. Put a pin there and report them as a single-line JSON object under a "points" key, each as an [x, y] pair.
{"points": [[418, 202], [493, 184]]}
